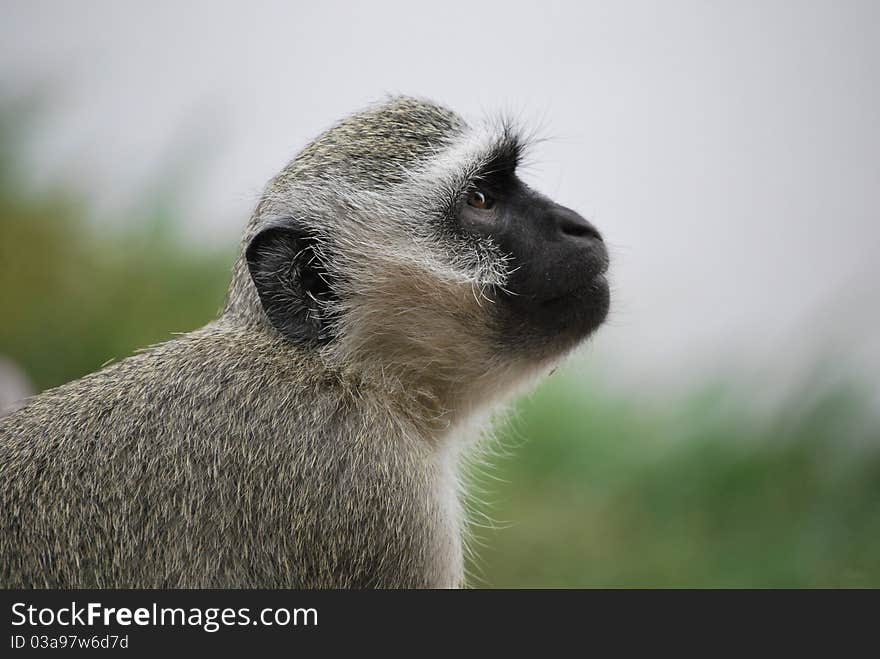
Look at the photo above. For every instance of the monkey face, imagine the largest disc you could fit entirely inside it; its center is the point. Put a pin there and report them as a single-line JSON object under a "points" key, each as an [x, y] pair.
{"points": [[556, 291], [379, 243]]}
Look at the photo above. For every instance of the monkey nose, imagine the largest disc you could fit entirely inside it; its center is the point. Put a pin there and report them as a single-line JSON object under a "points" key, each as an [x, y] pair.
{"points": [[573, 226], [578, 240]]}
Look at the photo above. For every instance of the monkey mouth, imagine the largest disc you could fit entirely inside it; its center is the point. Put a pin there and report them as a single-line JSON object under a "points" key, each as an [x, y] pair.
{"points": [[597, 284], [565, 297], [554, 324]]}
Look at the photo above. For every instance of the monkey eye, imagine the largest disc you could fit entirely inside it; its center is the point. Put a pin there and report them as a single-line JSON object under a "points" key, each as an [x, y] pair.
{"points": [[479, 199]]}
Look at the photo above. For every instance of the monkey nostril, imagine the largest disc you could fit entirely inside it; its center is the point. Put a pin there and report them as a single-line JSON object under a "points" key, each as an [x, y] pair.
{"points": [[573, 225], [580, 230]]}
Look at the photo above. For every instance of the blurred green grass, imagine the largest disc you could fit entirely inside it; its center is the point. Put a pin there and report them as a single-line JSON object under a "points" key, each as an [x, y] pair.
{"points": [[596, 492], [586, 489], [75, 293]]}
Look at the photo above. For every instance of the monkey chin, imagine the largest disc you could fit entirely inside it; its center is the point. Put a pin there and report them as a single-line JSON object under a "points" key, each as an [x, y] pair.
{"points": [[576, 315], [545, 330]]}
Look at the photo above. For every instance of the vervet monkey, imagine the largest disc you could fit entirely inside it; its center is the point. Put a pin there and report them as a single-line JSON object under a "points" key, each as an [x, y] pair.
{"points": [[396, 281]]}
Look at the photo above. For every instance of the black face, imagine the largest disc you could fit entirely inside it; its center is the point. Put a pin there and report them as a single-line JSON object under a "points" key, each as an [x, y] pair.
{"points": [[557, 292]]}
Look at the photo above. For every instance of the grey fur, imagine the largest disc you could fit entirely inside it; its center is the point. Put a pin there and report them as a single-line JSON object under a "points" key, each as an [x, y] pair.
{"points": [[233, 457]]}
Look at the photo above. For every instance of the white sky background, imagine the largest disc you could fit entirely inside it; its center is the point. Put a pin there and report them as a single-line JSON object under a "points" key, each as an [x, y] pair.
{"points": [[729, 151]]}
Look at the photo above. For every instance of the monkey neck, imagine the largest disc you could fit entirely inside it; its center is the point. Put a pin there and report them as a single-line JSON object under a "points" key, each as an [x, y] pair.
{"points": [[439, 397], [420, 401]]}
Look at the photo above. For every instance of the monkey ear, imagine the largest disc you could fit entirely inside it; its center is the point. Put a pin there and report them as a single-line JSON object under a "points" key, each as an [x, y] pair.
{"points": [[292, 282]]}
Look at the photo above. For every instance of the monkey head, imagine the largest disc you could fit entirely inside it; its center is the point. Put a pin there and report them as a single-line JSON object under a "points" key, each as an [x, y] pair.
{"points": [[401, 244]]}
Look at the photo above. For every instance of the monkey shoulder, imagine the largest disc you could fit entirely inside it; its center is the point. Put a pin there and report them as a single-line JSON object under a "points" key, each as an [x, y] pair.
{"points": [[222, 443]]}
